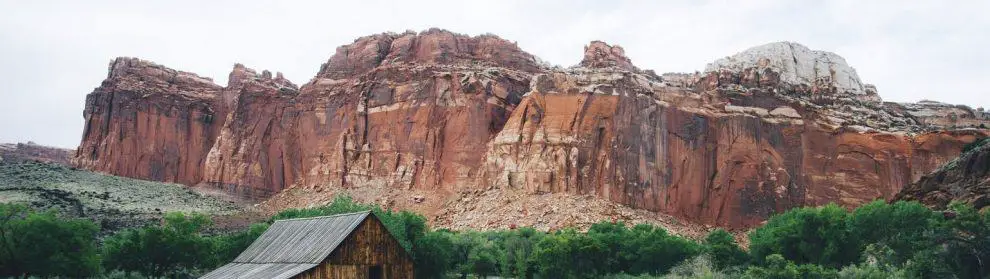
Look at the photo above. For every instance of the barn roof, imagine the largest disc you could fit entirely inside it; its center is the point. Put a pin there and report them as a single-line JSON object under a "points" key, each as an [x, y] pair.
{"points": [[290, 247]]}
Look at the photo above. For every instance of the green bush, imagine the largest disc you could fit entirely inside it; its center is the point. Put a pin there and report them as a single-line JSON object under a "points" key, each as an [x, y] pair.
{"points": [[519, 247], [432, 254], [776, 267], [815, 235], [230, 245], [966, 241], [177, 247], [903, 227], [723, 250], [41, 244], [610, 248], [700, 267], [871, 271], [569, 254]]}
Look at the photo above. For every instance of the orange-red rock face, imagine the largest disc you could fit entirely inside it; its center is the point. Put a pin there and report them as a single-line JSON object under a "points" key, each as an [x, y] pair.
{"points": [[150, 122], [406, 111], [442, 113], [665, 152]]}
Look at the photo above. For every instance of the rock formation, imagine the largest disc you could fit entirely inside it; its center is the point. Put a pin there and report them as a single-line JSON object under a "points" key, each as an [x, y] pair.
{"points": [[965, 179], [795, 64], [30, 151], [450, 115], [150, 122]]}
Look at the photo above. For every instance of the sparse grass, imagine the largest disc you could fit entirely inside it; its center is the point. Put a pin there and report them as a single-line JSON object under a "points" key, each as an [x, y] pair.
{"points": [[113, 202]]}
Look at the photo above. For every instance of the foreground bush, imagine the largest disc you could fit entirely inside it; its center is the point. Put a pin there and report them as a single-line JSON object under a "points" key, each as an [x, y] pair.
{"points": [[177, 247], [723, 250], [41, 244], [810, 235], [905, 237]]}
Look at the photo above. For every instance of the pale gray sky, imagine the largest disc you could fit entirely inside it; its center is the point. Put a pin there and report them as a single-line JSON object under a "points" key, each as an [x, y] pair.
{"points": [[52, 53]]}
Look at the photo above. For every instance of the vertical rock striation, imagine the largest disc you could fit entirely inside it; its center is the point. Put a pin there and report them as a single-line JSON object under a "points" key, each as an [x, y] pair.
{"points": [[437, 112], [150, 122]]}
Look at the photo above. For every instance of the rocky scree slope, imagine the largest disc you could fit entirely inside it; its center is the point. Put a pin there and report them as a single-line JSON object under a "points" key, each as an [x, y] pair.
{"points": [[437, 121], [112, 202]]}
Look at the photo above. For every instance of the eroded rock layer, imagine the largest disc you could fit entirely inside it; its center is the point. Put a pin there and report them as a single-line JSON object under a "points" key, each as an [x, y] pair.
{"points": [[965, 179], [446, 114], [150, 122]]}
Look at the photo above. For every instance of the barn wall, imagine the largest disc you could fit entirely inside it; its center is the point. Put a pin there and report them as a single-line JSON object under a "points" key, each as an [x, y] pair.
{"points": [[370, 244]]}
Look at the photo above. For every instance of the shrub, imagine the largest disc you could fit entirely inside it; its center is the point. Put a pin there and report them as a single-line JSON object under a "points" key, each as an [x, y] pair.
{"points": [[816, 235], [723, 250], [177, 247], [230, 245], [902, 227], [432, 254], [700, 267], [779, 268], [868, 271], [41, 244]]}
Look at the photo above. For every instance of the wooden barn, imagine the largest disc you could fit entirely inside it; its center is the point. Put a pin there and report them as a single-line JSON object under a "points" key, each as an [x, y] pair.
{"points": [[355, 245]]}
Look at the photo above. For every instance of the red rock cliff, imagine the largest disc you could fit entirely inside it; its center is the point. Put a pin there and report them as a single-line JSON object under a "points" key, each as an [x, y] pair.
{"points": [[441, 112], [150, 122]]}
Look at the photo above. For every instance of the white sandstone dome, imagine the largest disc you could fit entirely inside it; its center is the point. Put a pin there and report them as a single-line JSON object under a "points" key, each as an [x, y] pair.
{"points": [[796, 64]]}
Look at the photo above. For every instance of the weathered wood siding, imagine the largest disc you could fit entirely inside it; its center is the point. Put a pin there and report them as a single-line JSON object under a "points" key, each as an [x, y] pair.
{"points": [[369, 245]]}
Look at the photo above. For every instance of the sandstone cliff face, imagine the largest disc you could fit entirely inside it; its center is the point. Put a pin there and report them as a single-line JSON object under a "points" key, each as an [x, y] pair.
{"points": [[390, 110], [446, 114], [250, 154], [150, 122], [713, 156]]}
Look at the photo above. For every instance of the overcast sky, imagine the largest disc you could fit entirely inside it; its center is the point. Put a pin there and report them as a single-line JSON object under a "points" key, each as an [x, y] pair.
{"points": [[52, 53]]}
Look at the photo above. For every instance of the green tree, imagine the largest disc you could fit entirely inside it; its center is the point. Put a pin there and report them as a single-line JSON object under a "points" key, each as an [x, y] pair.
{"points": [[555, 255], [903, 227], [432, 254], [967, 243], [723, 250], [483, 258], [518, 246], [651, 250], [475, 253], [231, 245], [815, 235], [176, 247], [41, 244], [614, 236]]}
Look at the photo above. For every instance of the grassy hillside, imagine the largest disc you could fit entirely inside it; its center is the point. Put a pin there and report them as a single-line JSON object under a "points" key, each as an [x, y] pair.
{"points": [[113, 202]]}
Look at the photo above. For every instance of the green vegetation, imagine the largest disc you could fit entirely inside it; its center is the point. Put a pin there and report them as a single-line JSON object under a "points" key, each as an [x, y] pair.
{"points": [[876, 240], [176, 247], [977, 143], [40, 244], [723, 250], [114, 203], [815, 235]]}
